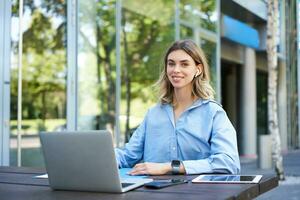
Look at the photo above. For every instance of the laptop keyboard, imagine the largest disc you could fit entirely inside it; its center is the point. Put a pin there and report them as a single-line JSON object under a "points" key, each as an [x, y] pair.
{"points": [[126, 184]]}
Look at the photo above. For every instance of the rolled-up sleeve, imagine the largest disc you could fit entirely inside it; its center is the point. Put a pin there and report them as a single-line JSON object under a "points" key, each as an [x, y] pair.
{"points": [[134, 149], [224, 156]]}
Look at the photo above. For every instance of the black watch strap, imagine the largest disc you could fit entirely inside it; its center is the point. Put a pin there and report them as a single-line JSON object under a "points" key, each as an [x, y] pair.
{"points": [[175, 164]]}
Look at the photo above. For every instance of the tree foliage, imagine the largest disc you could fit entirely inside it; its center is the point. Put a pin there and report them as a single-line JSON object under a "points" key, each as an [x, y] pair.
{"points": [[147, 30], [44, 61]]}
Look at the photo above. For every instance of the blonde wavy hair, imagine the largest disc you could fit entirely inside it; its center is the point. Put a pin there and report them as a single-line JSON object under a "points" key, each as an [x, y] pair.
{"points": [[201, 86]]}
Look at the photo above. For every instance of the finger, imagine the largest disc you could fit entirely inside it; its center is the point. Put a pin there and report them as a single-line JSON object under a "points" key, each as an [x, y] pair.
{"points": [[139, 165], [137, 170], [140, 172]]}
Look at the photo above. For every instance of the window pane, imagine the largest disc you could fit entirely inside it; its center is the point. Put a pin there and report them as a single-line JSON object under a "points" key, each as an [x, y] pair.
{"points": [[96, 65], [210, 50], [44, 76], [186, 32], [147, 31], [200, 13], [262, 102]]}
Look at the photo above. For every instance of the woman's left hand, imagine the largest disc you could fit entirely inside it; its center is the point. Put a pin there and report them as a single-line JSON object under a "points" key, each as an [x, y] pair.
{"points": [[151, 168]]}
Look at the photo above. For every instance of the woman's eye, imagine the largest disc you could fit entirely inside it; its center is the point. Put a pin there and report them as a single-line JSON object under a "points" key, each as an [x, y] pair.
{"points": [[185, 64], [171, 64]]}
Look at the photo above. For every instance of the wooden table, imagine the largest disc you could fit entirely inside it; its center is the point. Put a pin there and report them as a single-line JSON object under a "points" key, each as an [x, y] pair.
{"points": [[18, 183]]}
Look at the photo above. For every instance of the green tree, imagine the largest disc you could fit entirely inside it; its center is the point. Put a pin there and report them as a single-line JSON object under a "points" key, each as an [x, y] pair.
{"points": [[100, 17], [44, 61], [145, 38]]}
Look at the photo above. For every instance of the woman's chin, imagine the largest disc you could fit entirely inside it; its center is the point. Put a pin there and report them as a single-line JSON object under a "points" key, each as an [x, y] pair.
{"points": [[177, 86]]}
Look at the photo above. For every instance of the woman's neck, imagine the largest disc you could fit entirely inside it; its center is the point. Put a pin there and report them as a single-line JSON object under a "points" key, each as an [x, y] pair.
{"points": [[183, 98]]}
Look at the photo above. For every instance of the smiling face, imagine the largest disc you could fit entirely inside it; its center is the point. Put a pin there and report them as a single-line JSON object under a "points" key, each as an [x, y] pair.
{"points": [[181, 69], [182, 61]]}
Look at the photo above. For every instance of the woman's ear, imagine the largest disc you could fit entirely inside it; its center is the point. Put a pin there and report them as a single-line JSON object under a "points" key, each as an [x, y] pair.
{"points": [[199, 70]]}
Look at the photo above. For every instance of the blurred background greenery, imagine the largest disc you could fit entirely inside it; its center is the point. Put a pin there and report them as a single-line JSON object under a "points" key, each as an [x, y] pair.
{"points": [[147, 30]]}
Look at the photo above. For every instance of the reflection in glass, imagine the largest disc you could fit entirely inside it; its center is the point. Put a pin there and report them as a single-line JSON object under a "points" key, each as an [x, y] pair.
{"points": [[186, 32], [262, 102], [200, 13], [147, 31], [210, 50], [96, 65], [227, 178], [44, 76]]}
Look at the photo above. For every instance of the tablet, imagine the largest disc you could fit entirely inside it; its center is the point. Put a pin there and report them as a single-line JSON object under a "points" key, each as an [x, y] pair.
{"points": [[225, 178]]}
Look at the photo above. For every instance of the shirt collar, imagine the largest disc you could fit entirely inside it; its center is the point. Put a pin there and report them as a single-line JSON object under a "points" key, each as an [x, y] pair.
{"points": [[197, 103], [169, 108]]}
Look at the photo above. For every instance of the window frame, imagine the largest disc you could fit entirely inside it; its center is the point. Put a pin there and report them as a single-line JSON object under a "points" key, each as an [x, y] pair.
{"points": [[5, 24]]}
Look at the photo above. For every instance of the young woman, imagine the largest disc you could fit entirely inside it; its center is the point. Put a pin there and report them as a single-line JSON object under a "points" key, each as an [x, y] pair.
{"points": [[187, 131]]}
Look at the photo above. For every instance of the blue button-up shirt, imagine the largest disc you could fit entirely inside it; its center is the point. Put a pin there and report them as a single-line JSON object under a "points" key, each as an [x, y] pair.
{"points": [[203, 138]]}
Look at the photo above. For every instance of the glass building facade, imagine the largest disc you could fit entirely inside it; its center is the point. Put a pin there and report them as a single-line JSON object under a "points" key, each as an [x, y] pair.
{"points": [[91, 65]]}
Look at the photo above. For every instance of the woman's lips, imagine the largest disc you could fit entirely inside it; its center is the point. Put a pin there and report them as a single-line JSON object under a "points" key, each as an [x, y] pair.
{"points": [[177, 78]]}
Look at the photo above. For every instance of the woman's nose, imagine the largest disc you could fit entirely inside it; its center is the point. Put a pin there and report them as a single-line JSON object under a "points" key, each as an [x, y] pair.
{"points": [[176, 68]]}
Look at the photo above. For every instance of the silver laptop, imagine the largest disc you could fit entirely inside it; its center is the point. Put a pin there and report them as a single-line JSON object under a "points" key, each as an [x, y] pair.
{"points": [[84, 161]]}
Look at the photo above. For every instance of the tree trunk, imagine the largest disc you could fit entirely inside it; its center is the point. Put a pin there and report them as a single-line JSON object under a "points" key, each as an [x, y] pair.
{"points": [[272, 42], [99, 74]]}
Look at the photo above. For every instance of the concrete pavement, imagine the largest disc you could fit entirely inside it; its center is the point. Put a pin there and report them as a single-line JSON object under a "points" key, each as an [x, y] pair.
{"points": [[289, 189]]}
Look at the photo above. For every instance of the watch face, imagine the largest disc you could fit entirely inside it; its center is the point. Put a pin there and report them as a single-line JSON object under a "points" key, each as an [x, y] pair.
{"points": [[175, 163]]}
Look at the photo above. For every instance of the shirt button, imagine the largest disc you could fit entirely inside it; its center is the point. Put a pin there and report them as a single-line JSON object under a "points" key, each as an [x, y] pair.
{"points": [[174, 148]]}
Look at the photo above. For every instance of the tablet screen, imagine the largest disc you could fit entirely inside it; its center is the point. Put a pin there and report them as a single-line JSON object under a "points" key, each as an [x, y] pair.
{"points": [[227, 179]]}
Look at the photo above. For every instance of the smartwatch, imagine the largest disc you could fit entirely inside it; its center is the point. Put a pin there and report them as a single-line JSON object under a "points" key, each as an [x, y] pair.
{"points": [[175, 164]]}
